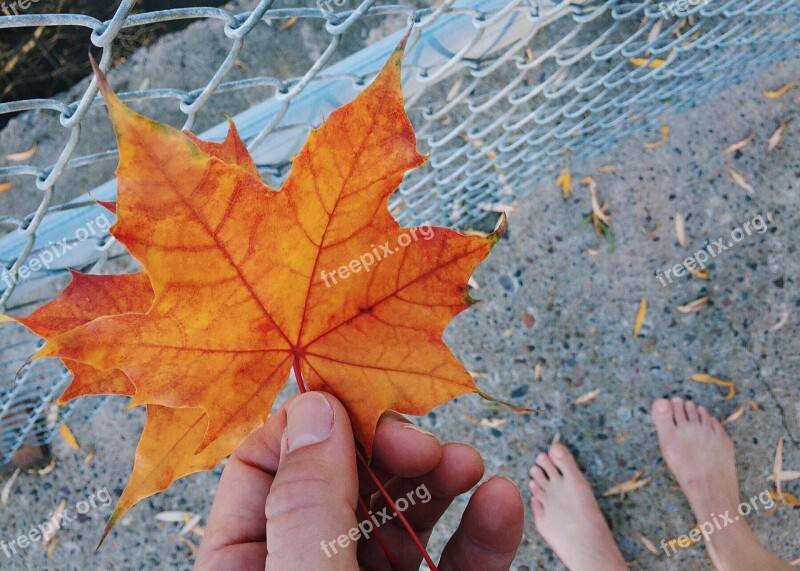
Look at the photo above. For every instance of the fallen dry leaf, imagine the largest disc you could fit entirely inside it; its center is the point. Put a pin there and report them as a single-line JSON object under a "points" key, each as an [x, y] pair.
{"points": [[778, 93], [493, 422], [47, 535], [735, 416], [680, 229], [289, 23], [779, 475], [711, 380], [588, 397], [695, 305], [680, 543], [781, 322], [664, 135], [785, 498], [49, 468], [598, 211], [68, 437], [740, 144], [4, 495], [537, 371], [174, 516], [23, 155], [700, 274], [607, 169], [649, 62], [740, 181], [776, 137], [637, 326], [631, 485], [51, 547], [89, 457], [647, 544], [564, 181], [4, 186]]}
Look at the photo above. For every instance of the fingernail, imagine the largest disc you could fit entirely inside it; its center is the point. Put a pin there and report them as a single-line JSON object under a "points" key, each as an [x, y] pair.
{"points": [[309, 420], [418, 429]]}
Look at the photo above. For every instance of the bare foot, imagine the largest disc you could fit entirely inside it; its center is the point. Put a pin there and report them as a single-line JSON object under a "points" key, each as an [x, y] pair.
{"points": [[567, 515], [701, 456]]}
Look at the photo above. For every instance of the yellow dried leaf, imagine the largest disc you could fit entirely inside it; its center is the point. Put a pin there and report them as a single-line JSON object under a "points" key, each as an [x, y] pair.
{"points": [[588, 397], [51, 547], [637, 326], [4, 186], [174, 516], [68, 437], [23, 155], [777, 94], [289, 23], [776, 137], [740, 181], [664, 135], [735, 416], [680, 229], [607, 169], [785, 498], [700, 274], [711, 380], [651, 63], [740, 144], [564, 180], [89, 457], [631, 485], [695, 305]]}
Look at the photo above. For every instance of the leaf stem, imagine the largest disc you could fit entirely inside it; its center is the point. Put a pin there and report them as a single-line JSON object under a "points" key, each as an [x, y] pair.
{"points": [[389, 555]]}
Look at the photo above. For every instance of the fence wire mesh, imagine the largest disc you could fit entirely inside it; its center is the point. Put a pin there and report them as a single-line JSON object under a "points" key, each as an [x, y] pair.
{"points": [[501, 92]]}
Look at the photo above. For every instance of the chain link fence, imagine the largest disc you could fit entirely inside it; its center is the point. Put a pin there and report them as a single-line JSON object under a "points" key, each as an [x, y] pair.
{"points": [[501, 92]]}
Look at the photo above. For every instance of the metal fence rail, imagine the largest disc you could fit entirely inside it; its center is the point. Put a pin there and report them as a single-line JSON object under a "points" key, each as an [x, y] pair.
{"points": [[501, 92]]}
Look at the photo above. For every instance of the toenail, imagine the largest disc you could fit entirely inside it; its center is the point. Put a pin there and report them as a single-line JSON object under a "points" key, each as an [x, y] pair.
{"points": [[662, 407], [558, 452]]}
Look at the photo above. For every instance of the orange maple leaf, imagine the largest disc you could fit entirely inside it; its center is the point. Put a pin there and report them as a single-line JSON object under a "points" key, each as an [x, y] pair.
{"points": [[248, 282]]}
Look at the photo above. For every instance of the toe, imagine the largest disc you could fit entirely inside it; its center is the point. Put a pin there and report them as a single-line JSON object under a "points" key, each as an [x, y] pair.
{"points": [[535, 489], [563, 459], [539, 477], [679, 411], [691, 412], [537, 507], [544, 462], [705, 416], [662, 416]]}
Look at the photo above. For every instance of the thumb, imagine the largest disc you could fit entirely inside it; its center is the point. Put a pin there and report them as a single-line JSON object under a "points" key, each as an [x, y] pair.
{"points": [[311, 503]]}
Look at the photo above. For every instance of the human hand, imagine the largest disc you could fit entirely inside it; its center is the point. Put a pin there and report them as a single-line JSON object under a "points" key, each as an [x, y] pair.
{"points": [[291, 490]]}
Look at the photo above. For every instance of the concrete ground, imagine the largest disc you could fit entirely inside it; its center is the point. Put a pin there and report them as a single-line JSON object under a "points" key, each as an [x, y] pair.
{"points": [[553, 295]]}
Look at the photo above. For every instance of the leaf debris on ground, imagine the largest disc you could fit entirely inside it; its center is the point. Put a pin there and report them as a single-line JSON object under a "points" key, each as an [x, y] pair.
{"points": [[739, 145], [588, 397], [779, 475], [680, 229], [712, 380], [637, 326], [777, 136], [22, 155], [740, 181], [4, 186], [695, 305], [68, 437], [564, 181], [634, 483], [4, 495], [778, 93], [664, 135]]}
